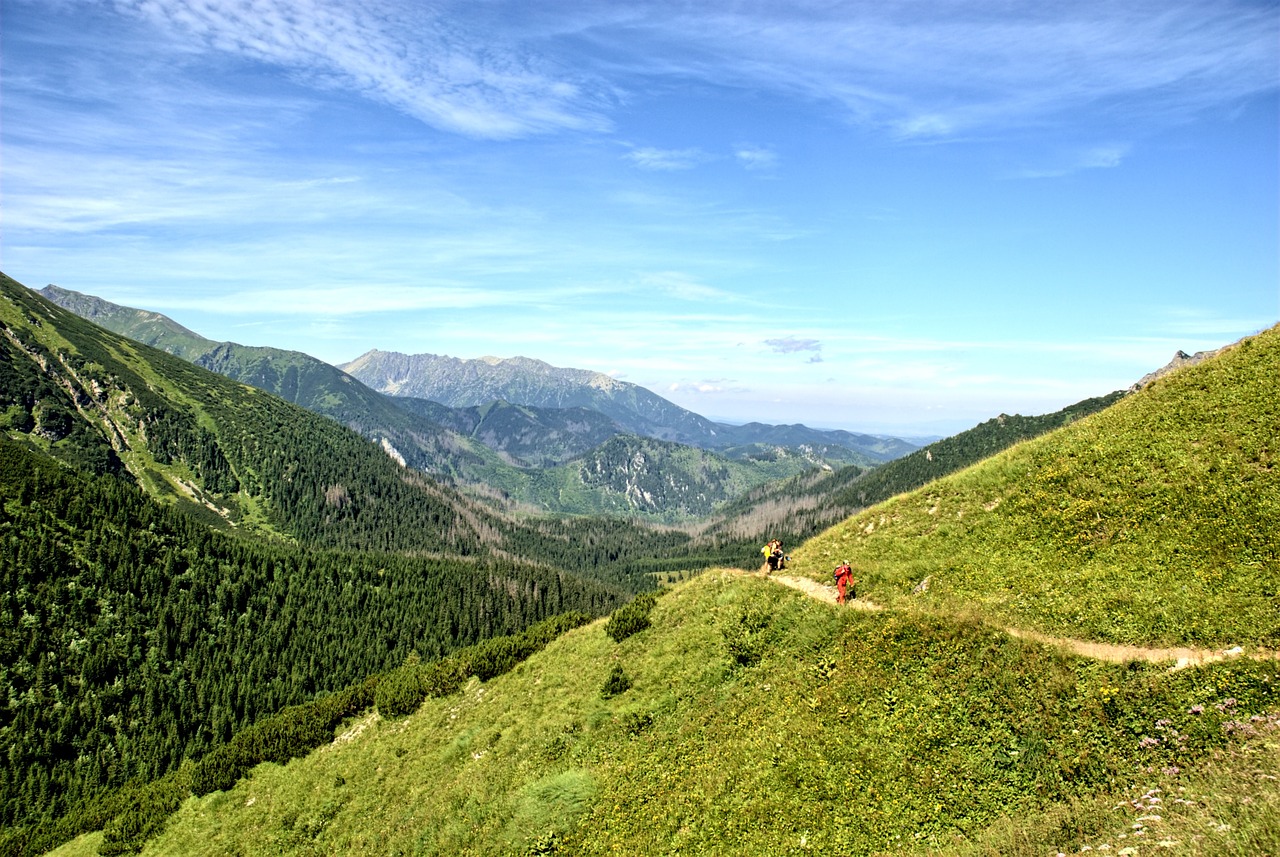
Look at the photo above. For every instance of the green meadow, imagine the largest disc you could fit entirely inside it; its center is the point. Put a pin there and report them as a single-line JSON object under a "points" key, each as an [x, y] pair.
{"points": [[761, 721], [734, 716], [1153, 522]]}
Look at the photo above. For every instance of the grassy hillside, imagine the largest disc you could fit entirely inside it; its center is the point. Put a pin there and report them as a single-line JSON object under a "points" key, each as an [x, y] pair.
{"points": [[799, 507], [758, 721], [741, 717], [1154, 521]]}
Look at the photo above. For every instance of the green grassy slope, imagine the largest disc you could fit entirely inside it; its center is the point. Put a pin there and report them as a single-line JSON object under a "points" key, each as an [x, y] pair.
{"points": [[758, 721], [1154, 521], [802, 506]]}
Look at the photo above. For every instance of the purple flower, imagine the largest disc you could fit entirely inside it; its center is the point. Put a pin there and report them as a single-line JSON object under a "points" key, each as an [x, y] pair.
{"points": [[1196, 709]]}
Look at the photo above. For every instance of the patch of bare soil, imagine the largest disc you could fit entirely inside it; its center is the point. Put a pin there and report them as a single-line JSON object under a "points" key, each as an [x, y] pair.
{"points": [[817, 590], [1180, 658]]}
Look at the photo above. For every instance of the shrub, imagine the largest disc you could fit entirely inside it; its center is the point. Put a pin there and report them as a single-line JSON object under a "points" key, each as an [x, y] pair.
{"points": [[293, 732], [145, 815], [745, 638], [400, 692], [616, 683], [404, 689], [632, 617], [635, 722]]}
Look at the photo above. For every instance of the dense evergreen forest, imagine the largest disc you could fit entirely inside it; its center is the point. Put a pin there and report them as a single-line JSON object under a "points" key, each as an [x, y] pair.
{"points": [[132, 636]]}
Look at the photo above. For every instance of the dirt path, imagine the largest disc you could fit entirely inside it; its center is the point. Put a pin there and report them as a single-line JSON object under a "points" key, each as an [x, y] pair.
{"points": [[1180, 657]]}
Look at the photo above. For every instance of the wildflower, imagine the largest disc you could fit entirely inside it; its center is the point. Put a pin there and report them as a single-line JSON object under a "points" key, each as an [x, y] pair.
{"points": [[1148, 741], [1162, 723], [1196, 709]]}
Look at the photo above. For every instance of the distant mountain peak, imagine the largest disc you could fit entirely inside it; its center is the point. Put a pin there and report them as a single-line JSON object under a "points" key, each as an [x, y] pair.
{"points": [[1180, 359]]}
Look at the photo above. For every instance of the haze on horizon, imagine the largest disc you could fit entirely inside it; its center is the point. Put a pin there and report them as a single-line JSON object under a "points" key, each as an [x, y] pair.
{"points": [[899, 218]]}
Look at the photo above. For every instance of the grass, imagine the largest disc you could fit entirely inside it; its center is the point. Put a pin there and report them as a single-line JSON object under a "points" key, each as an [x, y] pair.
{"points": [[850, 733], [1152, 522], [760, 721]]}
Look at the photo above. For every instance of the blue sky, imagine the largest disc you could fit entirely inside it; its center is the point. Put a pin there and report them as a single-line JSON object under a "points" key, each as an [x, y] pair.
{"points": [[899, 217]]}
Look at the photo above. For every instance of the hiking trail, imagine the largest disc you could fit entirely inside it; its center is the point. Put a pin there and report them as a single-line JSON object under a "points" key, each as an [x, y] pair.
{"points": [[1181, 657]]}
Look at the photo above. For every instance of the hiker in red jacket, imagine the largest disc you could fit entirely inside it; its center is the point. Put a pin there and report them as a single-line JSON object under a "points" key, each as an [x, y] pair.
{"points": [[844, 580]]}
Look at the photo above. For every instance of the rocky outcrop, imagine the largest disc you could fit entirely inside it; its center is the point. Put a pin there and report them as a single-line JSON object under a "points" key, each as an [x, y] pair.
{"points": [[1180, 359]]}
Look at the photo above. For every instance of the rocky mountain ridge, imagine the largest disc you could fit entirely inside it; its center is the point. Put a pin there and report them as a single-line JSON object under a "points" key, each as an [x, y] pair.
{"points": [[1180, 359], [545, 459], [459, 382]]}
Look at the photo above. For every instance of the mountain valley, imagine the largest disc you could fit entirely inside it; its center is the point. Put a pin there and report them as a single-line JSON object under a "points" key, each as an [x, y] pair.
{"points": [[518, 432], [233, 625]]}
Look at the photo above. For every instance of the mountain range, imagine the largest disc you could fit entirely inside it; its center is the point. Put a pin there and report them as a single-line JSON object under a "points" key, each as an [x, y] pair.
{"points": [[518, 431], [462, 383], [230, 625]]}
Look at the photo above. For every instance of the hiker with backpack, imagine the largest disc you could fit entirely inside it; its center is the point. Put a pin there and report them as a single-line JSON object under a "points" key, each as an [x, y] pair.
{"points": [[845, 582], [774, 555]]}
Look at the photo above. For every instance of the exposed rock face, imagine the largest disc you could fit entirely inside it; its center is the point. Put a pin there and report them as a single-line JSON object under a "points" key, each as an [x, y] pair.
{"points": [[1180, 359], [461, 383], [522, 381]]}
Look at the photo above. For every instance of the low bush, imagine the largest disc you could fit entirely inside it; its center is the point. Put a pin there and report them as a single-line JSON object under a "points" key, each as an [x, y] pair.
{"points": [[632, 617], [405, 688], [744, 638], [146, 814], [618, 682]]}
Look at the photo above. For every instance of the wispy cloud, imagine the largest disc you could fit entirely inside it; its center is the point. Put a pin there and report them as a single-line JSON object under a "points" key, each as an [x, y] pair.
{"points": [[649, 158], [920, 70], [1188, 321], [913, 70], [1101, 157], [792, 344], [412, 57], [756, 157], [711, 387], [685, 287]]}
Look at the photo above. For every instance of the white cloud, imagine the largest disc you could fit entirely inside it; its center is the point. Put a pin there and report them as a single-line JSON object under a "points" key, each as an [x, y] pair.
{"points": [[685, 287], [924, 70], [1191, 322], [756, 157], [666, 159], [792, 344], [1105, 156], [413, 57]]}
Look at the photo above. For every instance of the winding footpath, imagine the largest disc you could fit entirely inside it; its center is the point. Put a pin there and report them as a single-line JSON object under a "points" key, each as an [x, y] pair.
{"points": [[1180, 657]]}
